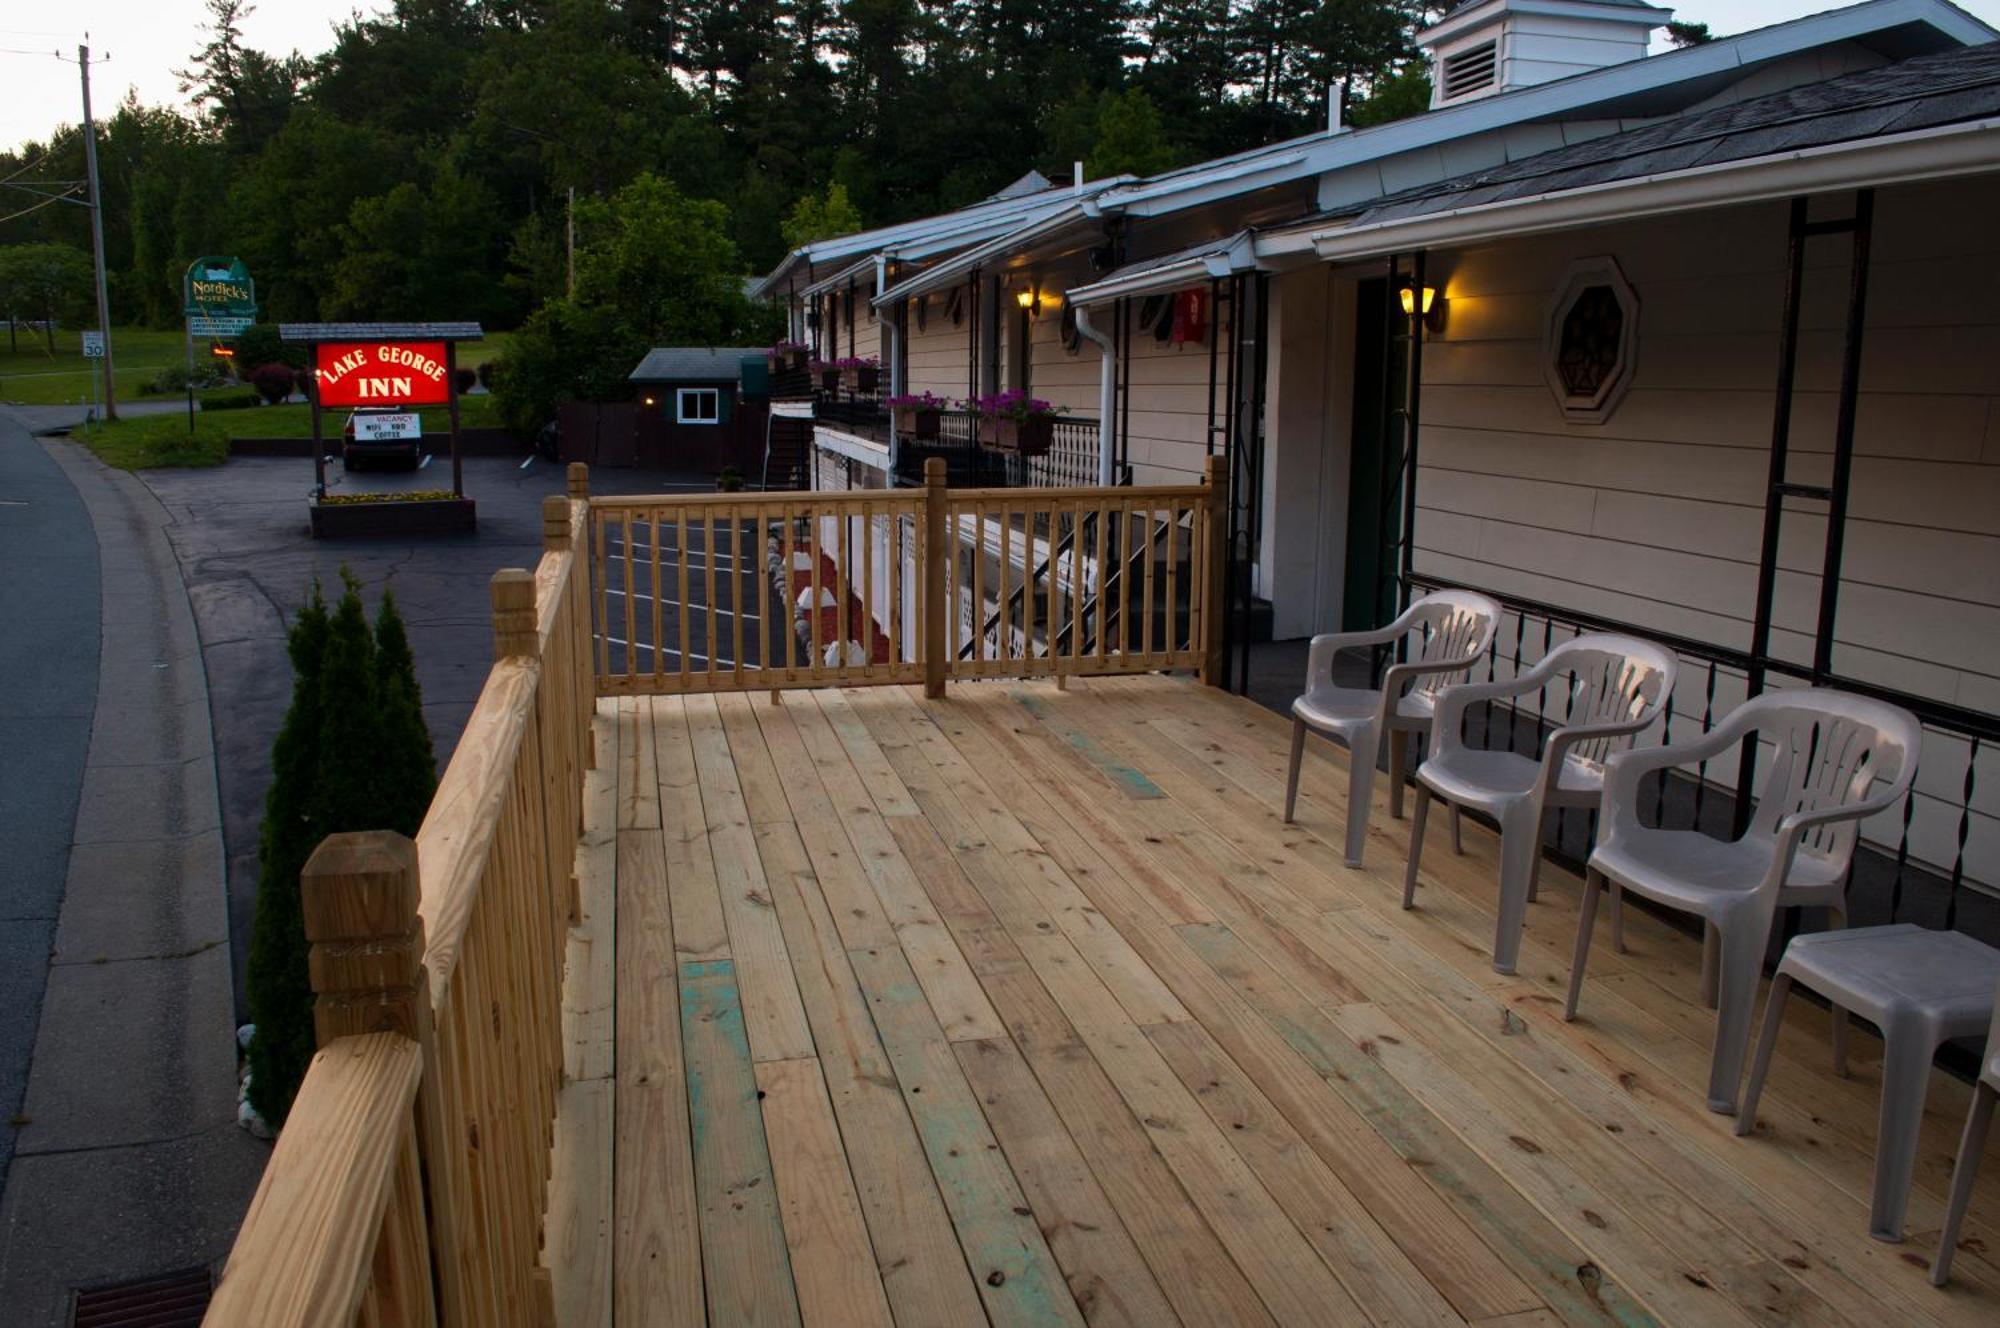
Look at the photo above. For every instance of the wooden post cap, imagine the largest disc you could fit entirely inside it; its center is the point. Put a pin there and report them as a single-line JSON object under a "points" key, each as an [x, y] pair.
{"points": [[555, 523], [579, 480], [514, 630], [934, 471]]}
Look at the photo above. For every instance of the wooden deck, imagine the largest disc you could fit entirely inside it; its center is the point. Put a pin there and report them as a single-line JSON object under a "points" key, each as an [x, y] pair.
{"points": [[1022, 1006]]}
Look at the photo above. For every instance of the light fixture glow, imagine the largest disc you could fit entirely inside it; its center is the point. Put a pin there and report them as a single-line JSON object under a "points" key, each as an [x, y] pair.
{"points": [[1410, 299], [1026, 297], [649, 401]]}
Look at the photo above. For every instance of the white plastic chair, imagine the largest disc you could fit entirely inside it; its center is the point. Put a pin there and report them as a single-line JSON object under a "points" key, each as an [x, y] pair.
{"points": [[1616, 685], [1837, 759], [1970, 1145], [1450, 630]]}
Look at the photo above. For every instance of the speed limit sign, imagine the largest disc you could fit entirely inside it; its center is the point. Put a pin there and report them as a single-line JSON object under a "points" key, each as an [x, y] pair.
{"points": [[93, 345]]}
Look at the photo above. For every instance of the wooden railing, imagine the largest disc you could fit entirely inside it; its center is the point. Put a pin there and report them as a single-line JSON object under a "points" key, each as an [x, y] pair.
{"points": [[733, 592], [410, 1181]]}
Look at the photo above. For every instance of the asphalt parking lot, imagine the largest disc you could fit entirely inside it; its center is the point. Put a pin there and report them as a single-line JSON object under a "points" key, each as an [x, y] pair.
{"points": [[240, 534]]}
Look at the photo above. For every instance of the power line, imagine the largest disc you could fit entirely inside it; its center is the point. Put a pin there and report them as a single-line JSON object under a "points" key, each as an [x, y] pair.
{"points": [[33, 207]]}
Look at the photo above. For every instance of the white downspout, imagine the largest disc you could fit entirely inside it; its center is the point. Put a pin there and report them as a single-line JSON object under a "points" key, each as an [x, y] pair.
{"points": [[1107, 390]]}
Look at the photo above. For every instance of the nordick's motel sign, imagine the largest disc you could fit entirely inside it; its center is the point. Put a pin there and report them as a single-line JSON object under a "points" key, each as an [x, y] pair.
{"points": [[382, 373]]}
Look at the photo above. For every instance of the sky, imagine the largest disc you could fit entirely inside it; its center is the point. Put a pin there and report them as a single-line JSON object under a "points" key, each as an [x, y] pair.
{"points": [[147, 40]]}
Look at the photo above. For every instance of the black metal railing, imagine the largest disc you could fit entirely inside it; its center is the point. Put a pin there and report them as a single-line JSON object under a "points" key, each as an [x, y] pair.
{"points": [[1929, 861], [1071, 460]]}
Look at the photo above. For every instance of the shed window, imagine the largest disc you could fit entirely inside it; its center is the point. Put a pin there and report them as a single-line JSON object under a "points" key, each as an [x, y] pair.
{"points": [[698, 405], [1468, 71]]}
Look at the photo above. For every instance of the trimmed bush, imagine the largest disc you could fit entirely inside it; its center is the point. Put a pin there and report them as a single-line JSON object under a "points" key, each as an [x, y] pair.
{"points": [[259, 344], [272, 381], [353, 754], [465, 380], [302, 383], [231, 401], [488, 369]]}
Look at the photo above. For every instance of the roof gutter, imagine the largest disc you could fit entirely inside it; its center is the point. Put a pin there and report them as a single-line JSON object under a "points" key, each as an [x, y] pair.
{"points": [[1239, 256], [948, 272], [1925, 154]]}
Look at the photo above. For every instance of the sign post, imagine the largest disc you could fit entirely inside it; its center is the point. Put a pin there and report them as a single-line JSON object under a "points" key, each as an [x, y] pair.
{"points": [[219, 300], [93, 349]]}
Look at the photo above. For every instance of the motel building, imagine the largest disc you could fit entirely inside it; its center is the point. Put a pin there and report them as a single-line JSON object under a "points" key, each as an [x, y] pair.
{"points": [[1696, 344]]}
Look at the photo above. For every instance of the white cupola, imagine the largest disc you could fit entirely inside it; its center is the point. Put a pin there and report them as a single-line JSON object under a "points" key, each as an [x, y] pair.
{"points": [[1486, 46]]}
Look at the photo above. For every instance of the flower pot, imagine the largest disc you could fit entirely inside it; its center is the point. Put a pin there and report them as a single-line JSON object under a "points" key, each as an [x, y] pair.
{"points": [[829, 379], [1028, 438], [792, 361], [866, 377], [918, 421]]}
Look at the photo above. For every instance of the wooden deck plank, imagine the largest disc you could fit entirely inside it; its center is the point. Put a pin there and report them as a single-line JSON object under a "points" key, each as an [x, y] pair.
{"points": [[1105, 1273], [745, 1263], [1017, 1275], [656, 1254], [701, 931], [834, 1265], [638, 790], [772, 1015], [920, 931], [919, 1262], [577, 1241], [590, 960]]}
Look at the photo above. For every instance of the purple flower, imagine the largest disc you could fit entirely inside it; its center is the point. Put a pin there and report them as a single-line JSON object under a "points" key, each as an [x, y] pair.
{"points": [[1014, 404], [917, 401]]}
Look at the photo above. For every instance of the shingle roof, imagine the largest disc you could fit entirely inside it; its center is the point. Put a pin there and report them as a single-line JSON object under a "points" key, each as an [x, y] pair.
{"points": [[379, 332], [1922, 93], [673, 364]]}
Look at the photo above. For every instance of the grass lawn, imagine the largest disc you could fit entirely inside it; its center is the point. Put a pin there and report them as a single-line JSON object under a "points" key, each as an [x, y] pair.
{"points": [[31, 376], [145, 441]]}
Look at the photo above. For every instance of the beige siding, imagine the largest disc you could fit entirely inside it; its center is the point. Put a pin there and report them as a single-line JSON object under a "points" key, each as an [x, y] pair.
{"points": [[1655, 516], [938, 354]]}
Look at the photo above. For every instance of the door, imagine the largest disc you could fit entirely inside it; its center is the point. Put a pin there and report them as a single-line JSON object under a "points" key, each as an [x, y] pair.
{"points": [[1374, 507]]}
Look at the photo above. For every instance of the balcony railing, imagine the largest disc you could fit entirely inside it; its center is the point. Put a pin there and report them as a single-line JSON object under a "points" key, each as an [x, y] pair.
{"points": [[1070, 463]]}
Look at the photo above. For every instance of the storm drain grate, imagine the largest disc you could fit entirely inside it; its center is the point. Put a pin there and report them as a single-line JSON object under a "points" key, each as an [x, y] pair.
{"points": [[171, 1300]]}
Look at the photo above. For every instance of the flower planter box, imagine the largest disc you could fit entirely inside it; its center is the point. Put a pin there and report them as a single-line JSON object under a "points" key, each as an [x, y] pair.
{"points": [[428, 516], [918, 422], [829, 379], [791, 361], [865, 378], [1028, 438]]}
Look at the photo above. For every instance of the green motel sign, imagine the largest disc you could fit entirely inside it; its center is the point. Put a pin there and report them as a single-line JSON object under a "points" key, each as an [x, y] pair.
{"points": [[218, 296]]}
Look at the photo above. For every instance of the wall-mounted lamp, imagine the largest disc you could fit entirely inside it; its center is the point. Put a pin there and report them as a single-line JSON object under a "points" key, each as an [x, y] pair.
{"points": [[1029, 298], [649, 401], [1432, 310]]}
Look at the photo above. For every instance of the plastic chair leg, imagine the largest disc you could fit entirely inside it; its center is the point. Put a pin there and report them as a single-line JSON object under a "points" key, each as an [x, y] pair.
{"points": [[1360, 791], [1618, 918], [1741, 951], [1970, 1145], [1418, 816], [1518, 851], [1292, 775], [1760, 1063], [1906, 1078], [1592, 883], [1399, 769]]}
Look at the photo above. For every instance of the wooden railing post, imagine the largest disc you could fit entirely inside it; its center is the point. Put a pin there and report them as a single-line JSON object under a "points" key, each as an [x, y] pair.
{"points": [[1215, 477], [934, 574], [579, 480], [359, 895], [514, 631], [555, 524]]}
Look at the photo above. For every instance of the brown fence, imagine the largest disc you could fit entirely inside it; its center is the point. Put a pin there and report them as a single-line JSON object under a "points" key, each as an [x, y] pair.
{"points": [[732, 592], [411, 1177]]}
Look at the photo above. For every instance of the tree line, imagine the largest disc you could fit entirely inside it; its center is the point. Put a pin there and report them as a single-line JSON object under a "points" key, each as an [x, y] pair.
{"points": [[425, 164]]}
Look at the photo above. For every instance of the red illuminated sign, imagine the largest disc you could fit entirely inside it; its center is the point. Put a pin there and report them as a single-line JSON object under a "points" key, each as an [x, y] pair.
{"points": [[382, 373]]}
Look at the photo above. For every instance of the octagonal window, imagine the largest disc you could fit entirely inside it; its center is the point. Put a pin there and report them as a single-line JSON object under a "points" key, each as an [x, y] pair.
{"points": [[1591, 338]]}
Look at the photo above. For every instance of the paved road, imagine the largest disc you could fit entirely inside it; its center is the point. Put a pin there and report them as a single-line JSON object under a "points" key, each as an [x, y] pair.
{"points": [[48, 654]]}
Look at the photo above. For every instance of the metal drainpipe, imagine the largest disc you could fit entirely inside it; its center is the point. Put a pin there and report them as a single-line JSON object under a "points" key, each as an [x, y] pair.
{"points": [[892, 338], [1107, 389]]}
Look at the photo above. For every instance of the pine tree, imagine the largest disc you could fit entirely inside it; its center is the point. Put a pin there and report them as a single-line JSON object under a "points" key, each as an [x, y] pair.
{"points": [[409, 766], [348, 794], [280, 988]]}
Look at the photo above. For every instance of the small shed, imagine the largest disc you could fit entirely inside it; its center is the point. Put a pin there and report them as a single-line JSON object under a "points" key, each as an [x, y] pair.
{"points": [[696, 409]]}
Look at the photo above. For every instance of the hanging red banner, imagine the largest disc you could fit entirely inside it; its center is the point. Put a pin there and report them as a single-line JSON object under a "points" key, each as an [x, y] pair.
{"points": [[382, 373], [1190, 316]]}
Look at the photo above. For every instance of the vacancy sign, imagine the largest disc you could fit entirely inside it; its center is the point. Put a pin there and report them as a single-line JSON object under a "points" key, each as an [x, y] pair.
{"points": [[398, 427], [382, 373]]}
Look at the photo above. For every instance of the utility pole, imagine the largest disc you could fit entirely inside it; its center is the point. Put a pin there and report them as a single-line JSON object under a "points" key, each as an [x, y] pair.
{"points": [[97, 233]]}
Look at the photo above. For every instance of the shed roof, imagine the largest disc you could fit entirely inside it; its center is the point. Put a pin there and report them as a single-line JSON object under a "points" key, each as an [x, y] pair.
{"points": [[673, 364]]}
